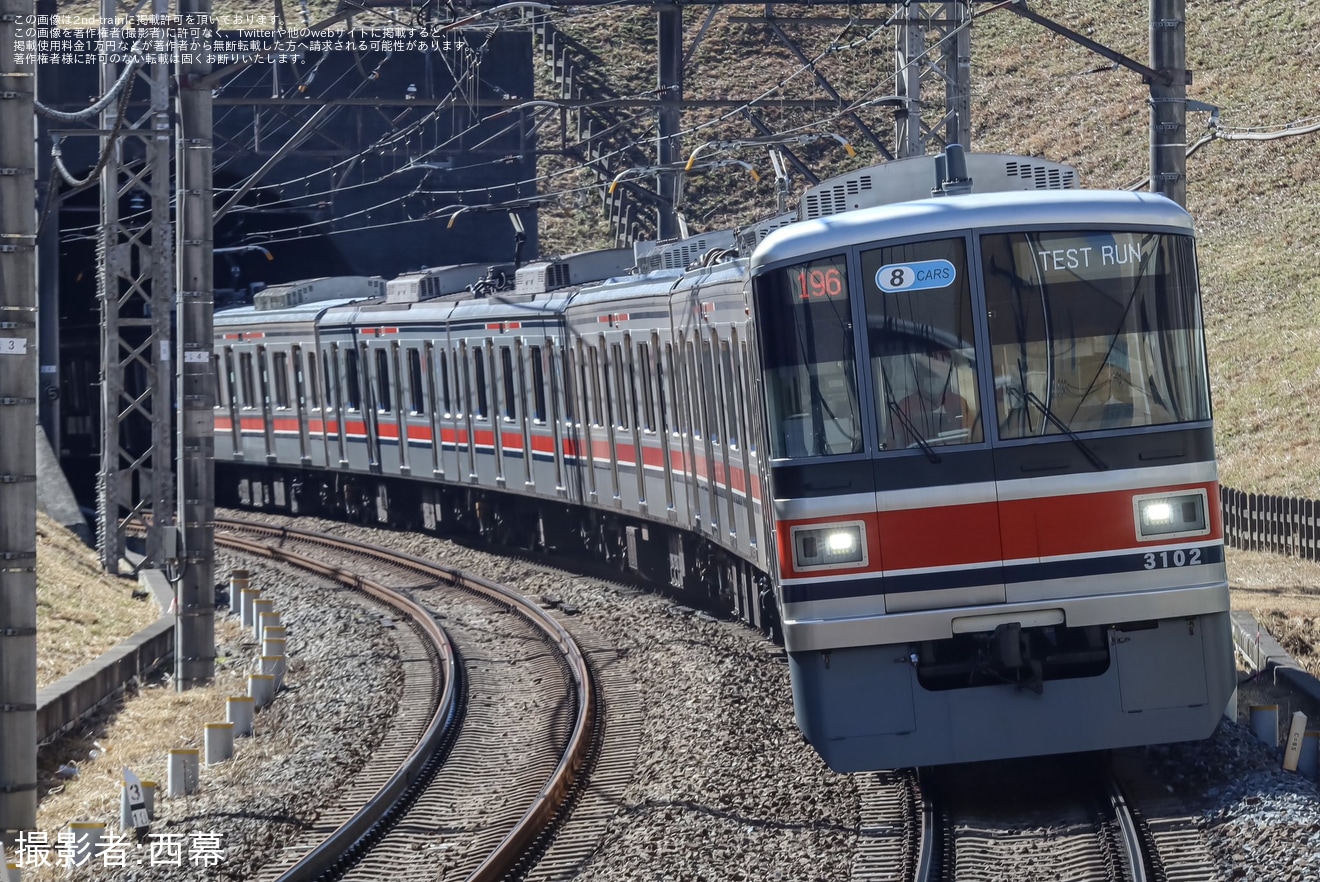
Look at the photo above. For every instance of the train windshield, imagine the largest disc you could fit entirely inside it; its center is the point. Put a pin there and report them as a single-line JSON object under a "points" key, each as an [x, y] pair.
{"points": [[1094, 330], [922, 344], [807, 360]]}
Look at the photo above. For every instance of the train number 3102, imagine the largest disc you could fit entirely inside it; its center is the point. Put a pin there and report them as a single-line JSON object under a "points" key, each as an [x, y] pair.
{"points": [[1158, 560]]}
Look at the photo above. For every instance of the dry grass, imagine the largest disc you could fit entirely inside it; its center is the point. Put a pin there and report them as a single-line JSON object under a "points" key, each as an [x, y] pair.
{"points": [[81, 611], [138, 735]]}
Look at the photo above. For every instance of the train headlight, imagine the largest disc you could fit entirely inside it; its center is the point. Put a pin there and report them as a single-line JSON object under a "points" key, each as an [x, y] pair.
{"points": [[830, 545], [1170, 515]]}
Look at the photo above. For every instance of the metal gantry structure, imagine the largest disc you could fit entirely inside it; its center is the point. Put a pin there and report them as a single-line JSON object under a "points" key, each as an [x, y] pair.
{"points": [[135, 274]]}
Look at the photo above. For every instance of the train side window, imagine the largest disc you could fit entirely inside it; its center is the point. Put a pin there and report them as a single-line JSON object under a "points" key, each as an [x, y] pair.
{"points": [[383, 402], [664, 370], [621, 398], [479, 377], [331, 376], [415, 388], [230, 384], [506, 378], [744, 386], [648, 394], [245, 375], [353, 392], [313, 387], [595, 388], [445, 402], [538, 384], [299, 380], [730, 396], [281, 372], [706, 387], [263, 374]]}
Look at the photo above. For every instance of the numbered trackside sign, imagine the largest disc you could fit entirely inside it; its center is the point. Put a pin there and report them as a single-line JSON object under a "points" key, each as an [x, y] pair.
{"points": [[917, 276], [137, 800]]}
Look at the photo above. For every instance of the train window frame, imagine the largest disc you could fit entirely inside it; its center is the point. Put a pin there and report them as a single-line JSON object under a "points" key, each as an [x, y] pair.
{"points": [[313, 381], [807, 341], [595, 396], [481, 410], [245, 379], [330, 376], [733, 431], [279, 371], [664, 372], [352, 379], [416, 387], [708, 383], [231, 377], [263, 377], [539, 373], [299, 383], [384, 389], [1145, 373], [647, 409], [622, 414], [443, 359], [509, 406], [745, 370]]}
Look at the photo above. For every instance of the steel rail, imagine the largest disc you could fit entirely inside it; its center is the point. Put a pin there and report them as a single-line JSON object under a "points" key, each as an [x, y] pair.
{"points": [[563, 783]]}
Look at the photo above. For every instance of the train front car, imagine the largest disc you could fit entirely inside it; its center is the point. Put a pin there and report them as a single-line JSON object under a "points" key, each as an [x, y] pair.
{"points": [[995, 495]]}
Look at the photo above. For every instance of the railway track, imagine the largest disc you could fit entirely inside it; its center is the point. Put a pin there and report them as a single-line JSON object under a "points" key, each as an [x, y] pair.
{"points": [[500, 723], [1057, 818]]}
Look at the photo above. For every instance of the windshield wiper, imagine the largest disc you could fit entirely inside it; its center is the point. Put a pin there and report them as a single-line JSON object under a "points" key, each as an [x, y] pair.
{"points": [[912, 431], [1063, 427]]}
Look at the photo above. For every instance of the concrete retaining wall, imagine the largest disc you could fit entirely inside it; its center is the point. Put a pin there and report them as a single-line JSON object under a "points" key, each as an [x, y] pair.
{"points": [[64, 702]]}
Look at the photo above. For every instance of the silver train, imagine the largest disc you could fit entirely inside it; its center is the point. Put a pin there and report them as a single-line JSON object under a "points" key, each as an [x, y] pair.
{"points": [[956, 450]]}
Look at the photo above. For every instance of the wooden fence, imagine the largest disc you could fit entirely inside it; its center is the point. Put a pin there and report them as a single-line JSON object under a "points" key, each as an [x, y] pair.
{"points": [[1261, 522]]}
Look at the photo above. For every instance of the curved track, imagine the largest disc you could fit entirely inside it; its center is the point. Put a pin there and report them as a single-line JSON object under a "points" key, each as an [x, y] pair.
{"points": [[472, 781]]}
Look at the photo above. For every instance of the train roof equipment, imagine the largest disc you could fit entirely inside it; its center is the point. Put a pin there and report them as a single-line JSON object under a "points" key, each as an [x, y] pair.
{"points": [[573, 269], [293, 294], [429, 283]]}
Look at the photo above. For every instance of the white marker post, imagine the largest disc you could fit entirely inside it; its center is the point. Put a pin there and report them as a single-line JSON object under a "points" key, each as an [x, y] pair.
{"points": [[133, 812], [1292, 752]]}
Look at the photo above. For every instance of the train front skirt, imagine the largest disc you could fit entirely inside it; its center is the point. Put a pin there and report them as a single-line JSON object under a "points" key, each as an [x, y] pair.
{"points": [[865, 707]]}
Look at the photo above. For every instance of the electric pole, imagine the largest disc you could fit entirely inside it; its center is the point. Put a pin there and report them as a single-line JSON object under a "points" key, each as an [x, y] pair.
{"points": [[18, 421], [194, 647], [1168, 99]]}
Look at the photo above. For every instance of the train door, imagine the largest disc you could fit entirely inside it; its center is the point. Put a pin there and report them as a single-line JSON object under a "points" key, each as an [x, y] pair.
{"points": [[733, 437], [553, 384], [417, 400], [568, 441], [639, 413], [474, 400], [589, 384], [438, 404], [232, 403], [395, 384], [334, 402], [614, 412], [315, 421], [506, 406], [300, 401], [533, 417], [925, 377], [705, 389], [263, 399], [684, 384], [664, 372], [370, 404]]}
